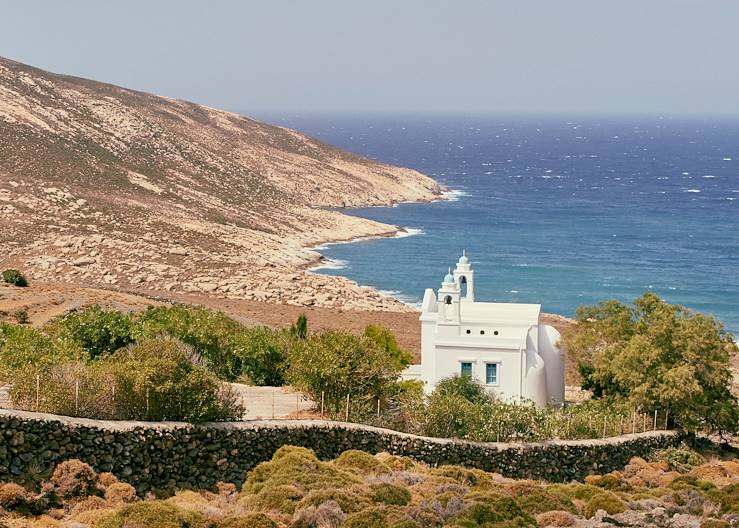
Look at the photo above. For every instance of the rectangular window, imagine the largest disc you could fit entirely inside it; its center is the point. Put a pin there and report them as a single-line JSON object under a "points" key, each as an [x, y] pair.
{"points": [[467, 369], [491, 373]]}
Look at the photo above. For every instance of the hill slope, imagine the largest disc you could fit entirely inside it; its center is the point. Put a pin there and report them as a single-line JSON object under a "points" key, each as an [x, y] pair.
{"points": [[107, 186]]}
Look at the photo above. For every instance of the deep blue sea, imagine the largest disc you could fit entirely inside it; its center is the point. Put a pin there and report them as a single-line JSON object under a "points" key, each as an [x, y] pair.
{"points": [[556, 211]]}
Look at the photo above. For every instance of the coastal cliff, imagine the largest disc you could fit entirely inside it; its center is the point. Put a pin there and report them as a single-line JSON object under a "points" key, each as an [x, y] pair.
{"points": [[110, 187]]}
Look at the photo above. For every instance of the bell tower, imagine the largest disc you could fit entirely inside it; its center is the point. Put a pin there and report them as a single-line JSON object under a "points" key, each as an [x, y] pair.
{"points": [[449, 298], [464, 276]]}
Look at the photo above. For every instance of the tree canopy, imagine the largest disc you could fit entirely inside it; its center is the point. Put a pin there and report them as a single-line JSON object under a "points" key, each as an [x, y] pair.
{"points": [[659, 357]]}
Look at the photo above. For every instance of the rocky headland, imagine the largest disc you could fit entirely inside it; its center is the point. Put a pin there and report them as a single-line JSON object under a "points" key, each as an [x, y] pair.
{"points": [[107, 187]]}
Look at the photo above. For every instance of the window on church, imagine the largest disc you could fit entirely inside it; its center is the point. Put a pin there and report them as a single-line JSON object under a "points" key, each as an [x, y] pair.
{"points": [[466, 369], [491, 373]]}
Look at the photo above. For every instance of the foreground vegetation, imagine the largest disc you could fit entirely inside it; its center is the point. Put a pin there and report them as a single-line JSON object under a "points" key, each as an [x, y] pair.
{"points": [[358, 490], [650, 365]]}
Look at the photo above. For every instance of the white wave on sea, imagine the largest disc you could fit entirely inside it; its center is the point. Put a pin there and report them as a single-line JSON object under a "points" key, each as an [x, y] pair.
{"points": [[404, 298], [409, 231], [453, 195], [330, 264]]}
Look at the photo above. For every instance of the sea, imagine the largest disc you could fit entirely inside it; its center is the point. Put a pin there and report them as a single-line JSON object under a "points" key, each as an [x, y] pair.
{"points": [[552, 210]]}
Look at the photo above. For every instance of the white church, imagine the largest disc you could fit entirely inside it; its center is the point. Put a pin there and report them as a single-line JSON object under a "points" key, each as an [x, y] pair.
{"points": [[504, 346]]}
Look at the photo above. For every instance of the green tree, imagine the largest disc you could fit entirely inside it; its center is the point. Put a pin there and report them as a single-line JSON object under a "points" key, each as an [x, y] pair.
{"points": [[385, 339], [24, 347], [659, 357], [337, 364], [96, 330]]}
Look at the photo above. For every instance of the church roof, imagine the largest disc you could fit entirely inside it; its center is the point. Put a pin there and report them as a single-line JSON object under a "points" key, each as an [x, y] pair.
{"points": [[511, 313]]}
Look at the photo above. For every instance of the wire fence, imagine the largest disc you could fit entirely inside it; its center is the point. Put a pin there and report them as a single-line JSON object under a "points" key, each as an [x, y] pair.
{"points": [[498, 423]]}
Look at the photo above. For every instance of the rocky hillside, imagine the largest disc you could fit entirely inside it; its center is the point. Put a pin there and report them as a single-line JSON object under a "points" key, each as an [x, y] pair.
{"points": [[102, 185]]}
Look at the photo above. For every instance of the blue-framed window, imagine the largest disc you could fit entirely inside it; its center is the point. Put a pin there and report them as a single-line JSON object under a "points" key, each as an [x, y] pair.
{"points": [[466, 368], [491, 373]]}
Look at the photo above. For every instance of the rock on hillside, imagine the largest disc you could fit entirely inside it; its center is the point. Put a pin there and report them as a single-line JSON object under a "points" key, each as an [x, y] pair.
{"points": [[107, 186]]}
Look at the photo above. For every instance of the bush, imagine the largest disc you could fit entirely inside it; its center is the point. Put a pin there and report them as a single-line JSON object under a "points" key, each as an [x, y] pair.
{"points": [[155, 514], [555, 518], [361, 462], [250, 520], [336, 364], [13, 497], [15, 277], [349, 500], [97, 331], [714, 523], [385, 339], [208, 332], [325, 515], [682, 460], [23, 347], [496, 510], [120, 492], [391, 494], [21, 316], [604, 501], [155, 379], [371, 518], [296, 466], [281, 498], [262, 353], [73, 478]]}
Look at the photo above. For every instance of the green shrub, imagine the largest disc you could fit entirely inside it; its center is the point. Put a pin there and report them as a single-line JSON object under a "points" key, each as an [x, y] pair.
{"points": [[21, 316], [682, 460], [536, 499], [15, 277], [391, 494], [349, 500], [361, 462], [451, 416], [714, 523], [156, 379], [23, 347], [385, 339], [729, 498], [611, 483], [152, 514], [465, 476], [98, 331], [250, 520], [604, 501], [208, 332], [281, 498], [370, 518], [493, 512], [462, 386], [576, 490], [296, 466], [262, 354], [336, 364]]}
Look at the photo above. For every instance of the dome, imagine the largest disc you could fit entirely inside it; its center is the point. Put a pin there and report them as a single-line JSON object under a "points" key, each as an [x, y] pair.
{"points": [[449, 278], [463, 259]]}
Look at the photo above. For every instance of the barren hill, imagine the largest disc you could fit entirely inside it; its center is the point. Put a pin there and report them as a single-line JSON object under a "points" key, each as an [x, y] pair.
{"points": [[100, 185]]}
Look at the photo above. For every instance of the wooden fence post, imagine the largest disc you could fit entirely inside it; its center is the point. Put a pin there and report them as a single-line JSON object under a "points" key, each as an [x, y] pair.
{"points": [[77, 397], [346, 418], [38, 392], [655, 420], [322, 395]]}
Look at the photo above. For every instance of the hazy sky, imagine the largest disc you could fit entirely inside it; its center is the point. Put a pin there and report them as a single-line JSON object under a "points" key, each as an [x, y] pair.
{"points": [[602, 56]]}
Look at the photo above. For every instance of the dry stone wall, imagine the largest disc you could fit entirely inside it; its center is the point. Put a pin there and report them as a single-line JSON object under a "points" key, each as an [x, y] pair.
{"points": [[167, 455]]}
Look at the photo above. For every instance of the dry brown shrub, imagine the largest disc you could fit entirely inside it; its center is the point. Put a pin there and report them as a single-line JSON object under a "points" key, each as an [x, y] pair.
{"points": [[106, 479], [13, 496], [225, 488], [43, 521], [715, 472], [400, 463], [555, 518], [88, 504], [640, 473], [120, 493], [73, 478], [326, 515], [188, 500]]}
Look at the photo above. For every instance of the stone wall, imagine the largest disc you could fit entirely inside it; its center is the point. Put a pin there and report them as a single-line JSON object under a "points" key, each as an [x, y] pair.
{"points": [[175, 455]]}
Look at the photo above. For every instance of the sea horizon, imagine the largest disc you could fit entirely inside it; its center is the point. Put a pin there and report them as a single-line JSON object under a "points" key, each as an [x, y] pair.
{"points": [[556, 211]]}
